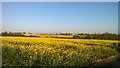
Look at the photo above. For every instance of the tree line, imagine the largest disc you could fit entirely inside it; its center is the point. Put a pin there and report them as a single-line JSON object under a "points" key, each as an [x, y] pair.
{"points": [[104, 36], [12, 33]]}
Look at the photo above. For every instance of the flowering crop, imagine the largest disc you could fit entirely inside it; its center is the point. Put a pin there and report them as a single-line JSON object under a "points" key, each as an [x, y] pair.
{"points": [[26, 51]]}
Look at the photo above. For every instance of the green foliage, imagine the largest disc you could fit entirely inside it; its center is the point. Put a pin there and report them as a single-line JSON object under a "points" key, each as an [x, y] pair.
{"points": [[26, 53], [76, 37], [104, 36], [12, 34]]}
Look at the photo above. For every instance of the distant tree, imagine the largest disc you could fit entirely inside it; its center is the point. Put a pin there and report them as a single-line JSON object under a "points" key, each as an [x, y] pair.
{"points": [[106, 33], [56, 33], [24, 32], [80, 33], [5, 33], [76, 37]]}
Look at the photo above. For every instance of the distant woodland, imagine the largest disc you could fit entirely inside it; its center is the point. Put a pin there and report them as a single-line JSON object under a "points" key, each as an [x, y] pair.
{"points": [[103, 36]]}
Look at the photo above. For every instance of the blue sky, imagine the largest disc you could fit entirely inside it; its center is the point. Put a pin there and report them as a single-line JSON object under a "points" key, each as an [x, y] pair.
{"points": [[52, 17], [0, 17], [59, 0]]}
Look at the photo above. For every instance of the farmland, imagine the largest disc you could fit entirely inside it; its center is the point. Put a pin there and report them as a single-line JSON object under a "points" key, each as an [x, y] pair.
{"points": [[41, 51]]}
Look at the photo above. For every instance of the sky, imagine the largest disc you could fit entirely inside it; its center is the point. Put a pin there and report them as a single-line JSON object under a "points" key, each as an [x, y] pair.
{"points": [[55, 17], [0, 17], [59, 0], [119, 17]]}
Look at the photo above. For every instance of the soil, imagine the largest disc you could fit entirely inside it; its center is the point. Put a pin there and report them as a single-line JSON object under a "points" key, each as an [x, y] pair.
{"points": [[112, 64]]}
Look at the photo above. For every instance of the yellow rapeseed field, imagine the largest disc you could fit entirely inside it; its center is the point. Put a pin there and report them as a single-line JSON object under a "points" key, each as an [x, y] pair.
{"points": [[35, 51]]}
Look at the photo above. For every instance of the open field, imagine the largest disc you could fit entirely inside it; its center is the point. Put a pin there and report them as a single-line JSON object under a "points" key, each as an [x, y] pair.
{"points": [[59, 33], [32, 51], [50, 36]]}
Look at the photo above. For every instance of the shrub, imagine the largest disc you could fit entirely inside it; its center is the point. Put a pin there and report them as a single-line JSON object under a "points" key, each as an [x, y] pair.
{"points": [[76, 37]]}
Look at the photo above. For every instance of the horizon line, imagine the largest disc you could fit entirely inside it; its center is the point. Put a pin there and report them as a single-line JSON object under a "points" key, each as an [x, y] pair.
{"points": [[27, 32]]}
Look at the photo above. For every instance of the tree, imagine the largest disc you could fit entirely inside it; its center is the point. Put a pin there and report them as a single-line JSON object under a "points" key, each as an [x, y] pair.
{"points": [[5, 33], [24, 33], [76, 37]]}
